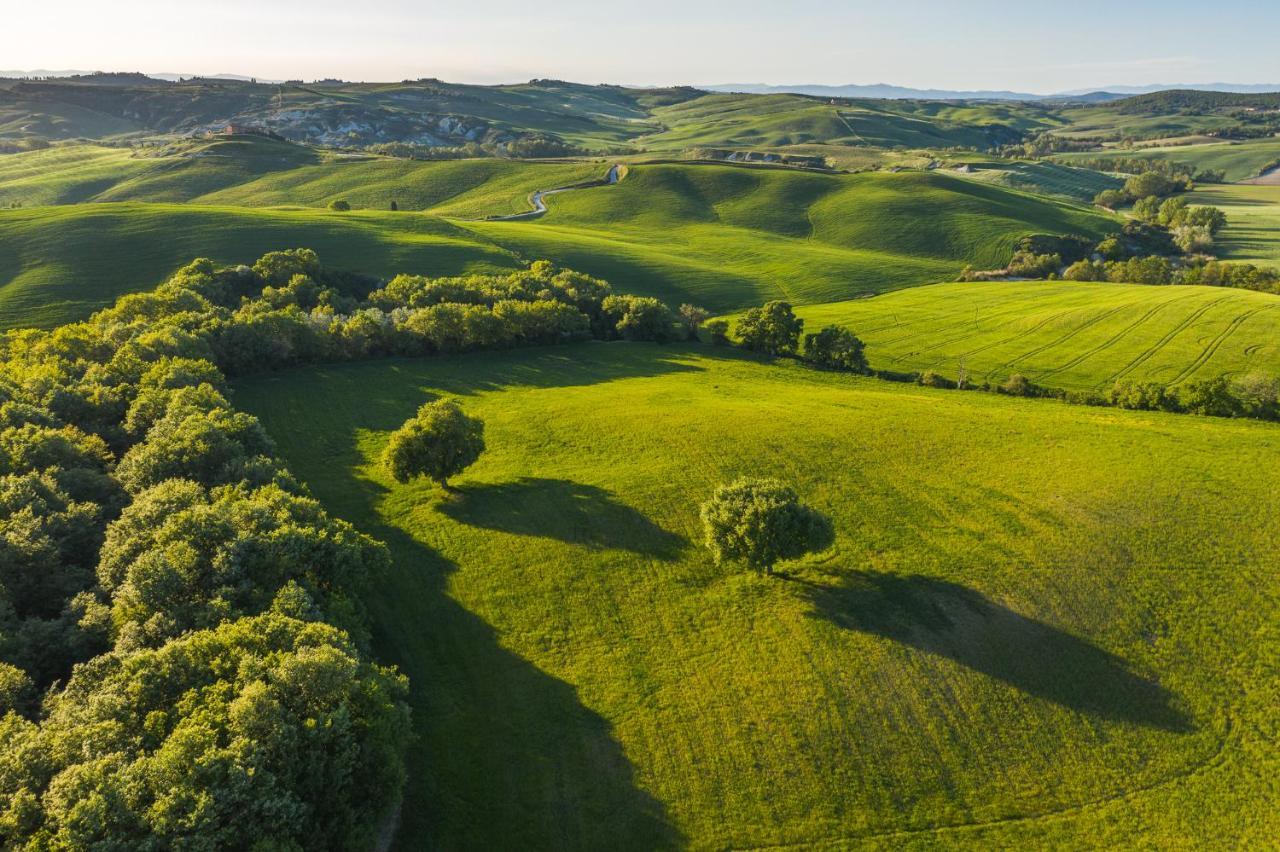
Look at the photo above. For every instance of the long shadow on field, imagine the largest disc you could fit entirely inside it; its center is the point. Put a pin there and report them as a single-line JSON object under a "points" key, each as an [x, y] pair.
{"points": [[963, 625], [506, 756], [563, 510]]}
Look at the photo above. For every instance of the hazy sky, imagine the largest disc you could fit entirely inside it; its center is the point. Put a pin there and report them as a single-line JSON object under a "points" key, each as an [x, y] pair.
{"points": [[1037, 45]]}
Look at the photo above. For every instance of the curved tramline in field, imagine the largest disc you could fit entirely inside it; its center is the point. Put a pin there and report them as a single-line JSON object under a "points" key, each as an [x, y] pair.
{"points": [[1077, 336], [993, 652]]}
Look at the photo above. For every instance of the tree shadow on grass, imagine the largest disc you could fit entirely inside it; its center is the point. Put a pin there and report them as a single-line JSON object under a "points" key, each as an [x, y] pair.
{"points": [[563, 510], [960, 624], [506, 756]]}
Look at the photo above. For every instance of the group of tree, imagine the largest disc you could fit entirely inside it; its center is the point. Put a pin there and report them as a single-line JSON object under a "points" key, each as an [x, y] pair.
{"points": [[183, 656], [1156, 269], [774, 329], [1152, 183]]}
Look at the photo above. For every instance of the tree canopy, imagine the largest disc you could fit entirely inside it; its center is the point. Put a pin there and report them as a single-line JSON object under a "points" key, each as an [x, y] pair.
{"points": [[761, 522], [439, 442]]}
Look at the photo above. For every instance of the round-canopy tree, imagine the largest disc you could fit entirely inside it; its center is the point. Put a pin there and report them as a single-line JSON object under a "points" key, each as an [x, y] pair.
{"points": [[761, 522], [440, 441]]}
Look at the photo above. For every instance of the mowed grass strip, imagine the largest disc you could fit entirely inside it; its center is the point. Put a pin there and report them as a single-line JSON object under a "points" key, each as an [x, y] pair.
{"points": [[1075, 335], [1040, 622]]}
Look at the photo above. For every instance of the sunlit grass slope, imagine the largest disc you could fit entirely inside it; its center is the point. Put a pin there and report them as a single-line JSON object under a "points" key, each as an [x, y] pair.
{"points": [[723, 236], [59, 264], [1065, 334], [251, 171], [739, 120], [1040, 623], [718, 236]]}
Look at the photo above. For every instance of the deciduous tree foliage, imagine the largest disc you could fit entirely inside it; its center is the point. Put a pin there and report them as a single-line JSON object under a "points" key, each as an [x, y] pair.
{"points": [[773, 329], [264, 732], [761, 522], [181, 648], [439, 442], [836, 348]]}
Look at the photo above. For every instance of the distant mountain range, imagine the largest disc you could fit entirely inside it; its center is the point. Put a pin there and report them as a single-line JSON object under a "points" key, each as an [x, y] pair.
{"points": [[877, 90], [883, 90]]}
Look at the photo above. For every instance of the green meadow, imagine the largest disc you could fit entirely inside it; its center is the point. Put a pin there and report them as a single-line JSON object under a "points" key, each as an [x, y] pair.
{"points": [[1065, 334], [723, 237], [1041, 625], [1237, 160]]}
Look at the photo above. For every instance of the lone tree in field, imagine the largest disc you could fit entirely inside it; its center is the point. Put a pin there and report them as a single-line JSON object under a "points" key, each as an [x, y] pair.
{"points": [[761, 522], [773, 329], [438, 442]]}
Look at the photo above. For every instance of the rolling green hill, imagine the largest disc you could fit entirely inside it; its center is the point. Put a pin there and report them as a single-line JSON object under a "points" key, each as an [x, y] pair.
{"points": [[58, 264], [721, 236], [254, 171], [749, 121], [1039, 622], [1045, 178], [1065, 334]]}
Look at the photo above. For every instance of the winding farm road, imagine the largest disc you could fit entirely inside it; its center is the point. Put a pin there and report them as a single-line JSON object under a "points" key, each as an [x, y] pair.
{"points": [[539, 198]]}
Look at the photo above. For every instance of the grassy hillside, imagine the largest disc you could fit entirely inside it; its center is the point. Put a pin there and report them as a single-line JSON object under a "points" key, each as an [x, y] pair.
{"points": [[1108, 123], [1065, 334], [736, 120], [1239, 160], [1253, 221], [252, 171], [724, 236], [719, 236], [1039, 622], [61, 263], [1045, 178]]}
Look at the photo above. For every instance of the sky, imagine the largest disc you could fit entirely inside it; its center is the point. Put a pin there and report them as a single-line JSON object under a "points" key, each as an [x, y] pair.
{"points": [[1033, 46]]}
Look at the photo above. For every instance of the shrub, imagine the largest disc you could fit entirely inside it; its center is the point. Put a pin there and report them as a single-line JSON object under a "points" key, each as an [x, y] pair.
{"points": [[760, 522], [1027, 265], [836, 348], [718, 331], [930, 379], [773, 329], [640, 318], [340, 205], [1018, 385], [692, 318], [440, 441]]}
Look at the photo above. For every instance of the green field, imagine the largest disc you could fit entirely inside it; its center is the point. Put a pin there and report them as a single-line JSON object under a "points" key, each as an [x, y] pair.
{"points": [[1100, 123], [1253, 221], [1238, 160], [721, 236], [1065, 334], [1045, 177], [1041, 625]]}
